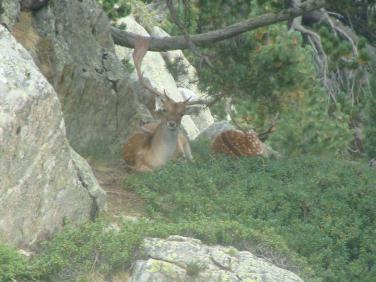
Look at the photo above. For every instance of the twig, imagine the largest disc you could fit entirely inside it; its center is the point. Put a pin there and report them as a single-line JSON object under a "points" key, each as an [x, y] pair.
{"points": [[186, 35], [321, 57], [95, 261], [340, 31]]}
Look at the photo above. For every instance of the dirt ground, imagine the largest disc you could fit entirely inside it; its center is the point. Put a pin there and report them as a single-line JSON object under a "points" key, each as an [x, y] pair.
{"points": [[122, 203]]}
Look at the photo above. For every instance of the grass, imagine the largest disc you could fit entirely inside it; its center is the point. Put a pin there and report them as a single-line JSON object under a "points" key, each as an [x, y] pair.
{"points": [[321, 209], [311, 215]]}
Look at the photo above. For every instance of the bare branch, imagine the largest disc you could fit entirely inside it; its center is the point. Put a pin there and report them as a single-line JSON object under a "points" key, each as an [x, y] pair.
{"points": [[175, 19], [187, 37], [315, 41], [320, 57], [342, 32], [128, 39]]}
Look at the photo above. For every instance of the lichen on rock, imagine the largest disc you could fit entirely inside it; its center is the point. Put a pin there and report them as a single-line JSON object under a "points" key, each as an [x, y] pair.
{"points": [[180, 258], [40, 185]]}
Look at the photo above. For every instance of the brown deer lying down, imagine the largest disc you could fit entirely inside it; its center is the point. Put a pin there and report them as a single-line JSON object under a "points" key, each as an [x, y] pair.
{"points": [[154, 144], [238, 143], [243, 143]]}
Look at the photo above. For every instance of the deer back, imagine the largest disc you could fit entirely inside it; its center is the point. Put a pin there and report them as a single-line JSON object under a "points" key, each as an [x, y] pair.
{"points": [[137, 142], [238, 143]]}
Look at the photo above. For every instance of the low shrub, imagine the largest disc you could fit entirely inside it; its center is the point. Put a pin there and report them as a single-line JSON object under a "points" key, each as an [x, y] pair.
{"points": [[322, 209], [13, 266], [310, 215]]}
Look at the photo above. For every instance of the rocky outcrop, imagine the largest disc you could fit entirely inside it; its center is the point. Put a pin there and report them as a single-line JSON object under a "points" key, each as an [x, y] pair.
{"points": [[71, 43], [101, 98], [43, 181], [9, 10], [215, 129], [185, 259]]}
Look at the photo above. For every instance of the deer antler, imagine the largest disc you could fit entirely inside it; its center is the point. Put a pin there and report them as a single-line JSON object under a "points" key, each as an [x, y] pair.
{"points": [[228, 111], [140, 49], [264, 135]]}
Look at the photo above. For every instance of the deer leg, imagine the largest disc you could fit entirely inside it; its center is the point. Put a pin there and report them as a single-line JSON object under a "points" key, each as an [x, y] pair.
{"points": [[143, 167], [183, 148], [187, 151]]}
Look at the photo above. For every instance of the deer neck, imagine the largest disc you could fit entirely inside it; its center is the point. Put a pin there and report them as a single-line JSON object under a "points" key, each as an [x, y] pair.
{"points": [[163, 144]]}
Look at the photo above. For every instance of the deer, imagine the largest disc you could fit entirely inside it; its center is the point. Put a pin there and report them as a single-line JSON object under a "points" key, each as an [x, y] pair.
{"points": [[242, 142], [154, 144]]}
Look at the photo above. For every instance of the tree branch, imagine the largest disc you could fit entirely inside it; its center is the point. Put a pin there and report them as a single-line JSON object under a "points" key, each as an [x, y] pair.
{"points": [[128, 39], [315, 41], [192, 46]]}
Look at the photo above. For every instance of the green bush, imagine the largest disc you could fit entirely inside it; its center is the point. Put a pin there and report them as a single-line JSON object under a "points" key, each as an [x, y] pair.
{"points": [[306, 128], [370, 121], [321, 208], [310, 215], [94, 246], [13, 265], [115, 8], [77, 251]]}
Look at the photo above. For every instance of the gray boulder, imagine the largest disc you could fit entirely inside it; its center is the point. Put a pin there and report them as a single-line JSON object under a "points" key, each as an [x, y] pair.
{"points": [[9, 10], [215, 129], [185, 259], [43, 182], [71, 43]]}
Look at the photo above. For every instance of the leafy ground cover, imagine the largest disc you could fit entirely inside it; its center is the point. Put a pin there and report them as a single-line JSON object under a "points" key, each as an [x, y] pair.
{"points": [[312, 215], [322, 209]]}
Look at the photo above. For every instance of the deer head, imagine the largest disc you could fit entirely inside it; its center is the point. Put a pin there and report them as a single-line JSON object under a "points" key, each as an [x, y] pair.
{"points": [[172, 112]]}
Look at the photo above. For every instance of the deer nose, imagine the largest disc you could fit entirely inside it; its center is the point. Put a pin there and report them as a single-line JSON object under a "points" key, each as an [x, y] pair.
{"points": [[171, 124]]}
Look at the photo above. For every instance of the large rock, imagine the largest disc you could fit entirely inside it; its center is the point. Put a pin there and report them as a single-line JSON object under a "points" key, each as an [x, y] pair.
{"points": [[71, 43], [43, 181], [215, 128], [185, 259], [102, 101], [9, 10], [156, 73]]}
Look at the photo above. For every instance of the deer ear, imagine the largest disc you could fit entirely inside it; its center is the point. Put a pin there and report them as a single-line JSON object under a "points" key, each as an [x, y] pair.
{"points": [[193, 110], [165, 96], [187, 100]]}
